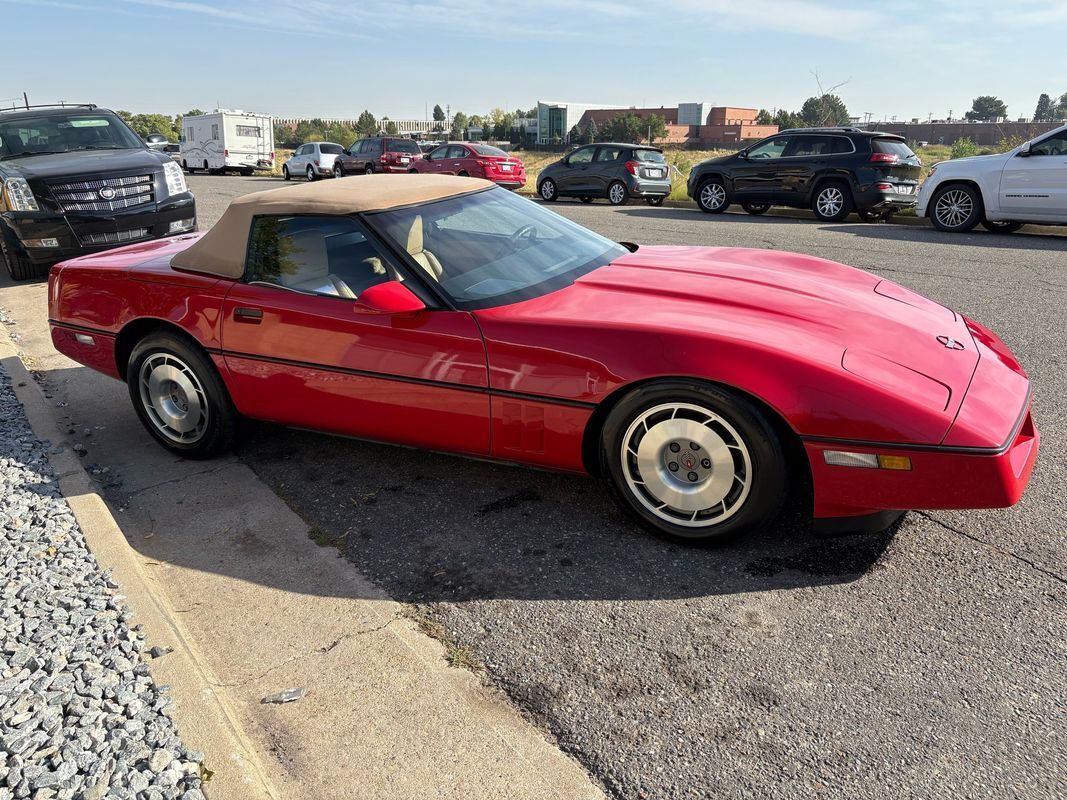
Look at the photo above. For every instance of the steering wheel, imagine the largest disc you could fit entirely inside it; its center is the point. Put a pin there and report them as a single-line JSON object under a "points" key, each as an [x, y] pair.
{"points": [[528, 232]]}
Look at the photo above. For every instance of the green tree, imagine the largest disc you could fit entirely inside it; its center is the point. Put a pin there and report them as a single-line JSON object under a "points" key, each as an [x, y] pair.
{"points": [[438, 118], [591, 132], [145, 124], [1043, 112], [987, 108], [366, 125], [390, 128], [625, 127], [459, 126], [193, 112], [655, 127], [575, 135], [341, 134], [764, 117], [788, 119], [964, 148], [828, 109], [1060, 111], [307, 131], [284, 135]]}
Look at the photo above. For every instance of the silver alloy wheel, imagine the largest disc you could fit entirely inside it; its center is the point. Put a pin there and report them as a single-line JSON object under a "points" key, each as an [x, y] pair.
{"points": [[830, 201], [173, 398], [686, 464], [310, 173], [713, 196], [617, 193], [953, 208], [338, 172], [548, 190]]}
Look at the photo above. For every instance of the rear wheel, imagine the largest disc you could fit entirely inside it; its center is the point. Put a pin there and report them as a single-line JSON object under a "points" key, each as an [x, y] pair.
{"points": [[179, 397], [997, 226], [656, 201], [617, 194], [186, 167], [756, 208], [693, 462], [956, 208], [548, 190], [712, 196], [832, 202]]}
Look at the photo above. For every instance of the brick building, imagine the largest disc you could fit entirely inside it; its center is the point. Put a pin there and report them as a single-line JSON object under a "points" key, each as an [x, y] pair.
{"points": [[981, 133], [716, 125]]}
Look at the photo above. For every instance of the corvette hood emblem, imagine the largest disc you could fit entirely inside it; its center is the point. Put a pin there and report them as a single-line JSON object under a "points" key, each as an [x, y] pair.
{"points": [[950, 343]]}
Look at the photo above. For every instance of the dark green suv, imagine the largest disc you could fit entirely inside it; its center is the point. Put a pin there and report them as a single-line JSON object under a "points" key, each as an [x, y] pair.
{"points": [[832, 171]]}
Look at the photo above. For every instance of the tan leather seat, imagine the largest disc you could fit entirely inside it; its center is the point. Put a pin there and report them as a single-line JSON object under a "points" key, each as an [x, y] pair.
{"points": [[425, 259], [306, 267]]}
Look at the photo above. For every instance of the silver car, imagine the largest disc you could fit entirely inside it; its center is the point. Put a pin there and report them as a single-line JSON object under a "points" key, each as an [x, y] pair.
{"points": [[313, 160]]}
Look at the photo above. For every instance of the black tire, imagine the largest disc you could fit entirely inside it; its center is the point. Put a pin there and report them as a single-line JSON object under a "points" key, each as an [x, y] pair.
{"points": [[285, 173], [548, 190], [586, 199], [763, 485], [206, 168], [756, 208], [186, 167], [338, 170], [309, 173], [220, 425], [656, 201], [712, 196], [996, 226], [866, 215], [618, 194], [463, 174], [956, 208], [832, 201], [21, 268], [368, 170]]}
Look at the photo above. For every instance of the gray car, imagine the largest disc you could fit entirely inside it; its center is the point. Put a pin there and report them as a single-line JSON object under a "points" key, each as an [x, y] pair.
{"points": [[611, 170], [313, 160]]}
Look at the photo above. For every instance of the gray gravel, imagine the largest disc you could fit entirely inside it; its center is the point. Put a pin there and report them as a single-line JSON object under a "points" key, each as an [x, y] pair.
{"points": [[80, 716]]}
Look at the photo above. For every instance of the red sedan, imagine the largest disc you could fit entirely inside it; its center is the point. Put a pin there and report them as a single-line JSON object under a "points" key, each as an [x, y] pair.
{"points": [[476, 161], [700, 383]]}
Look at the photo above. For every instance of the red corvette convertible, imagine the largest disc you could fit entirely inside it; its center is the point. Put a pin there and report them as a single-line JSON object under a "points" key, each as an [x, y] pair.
{"points": [[699, 383]]}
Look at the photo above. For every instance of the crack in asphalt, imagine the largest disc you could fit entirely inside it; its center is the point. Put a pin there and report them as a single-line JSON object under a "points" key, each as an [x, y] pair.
{"points": [[1022, 559], [180, 478]]}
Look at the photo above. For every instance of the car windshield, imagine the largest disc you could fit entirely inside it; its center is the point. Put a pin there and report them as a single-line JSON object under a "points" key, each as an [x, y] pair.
{"points": [[331, 149], [488, 150], [63, 133], [651, 156], [492, 248], [403, 146]]}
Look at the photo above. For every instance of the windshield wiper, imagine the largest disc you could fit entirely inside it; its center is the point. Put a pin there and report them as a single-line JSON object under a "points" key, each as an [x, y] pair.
{"points": [[31, 153], [101, 147]]}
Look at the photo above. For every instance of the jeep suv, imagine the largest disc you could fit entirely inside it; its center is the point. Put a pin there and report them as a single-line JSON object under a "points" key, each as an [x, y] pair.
{"points": [[77, 180], [377, 154], [832, 171]]}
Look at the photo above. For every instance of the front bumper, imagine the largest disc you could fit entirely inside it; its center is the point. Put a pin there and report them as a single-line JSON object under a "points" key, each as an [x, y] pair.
{"points": [[79, 234]]}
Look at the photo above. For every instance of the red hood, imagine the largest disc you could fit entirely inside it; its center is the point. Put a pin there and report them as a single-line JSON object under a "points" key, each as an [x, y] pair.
{"points": [[776, 304]]}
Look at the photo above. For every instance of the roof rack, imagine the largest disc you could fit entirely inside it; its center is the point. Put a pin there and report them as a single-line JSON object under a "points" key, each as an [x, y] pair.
{"points": [[837, 128], [51, 105]]}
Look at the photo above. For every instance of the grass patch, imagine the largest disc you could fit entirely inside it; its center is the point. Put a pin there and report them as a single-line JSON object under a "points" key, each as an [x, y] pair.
{"points": [[322, 538], [456, 656]]}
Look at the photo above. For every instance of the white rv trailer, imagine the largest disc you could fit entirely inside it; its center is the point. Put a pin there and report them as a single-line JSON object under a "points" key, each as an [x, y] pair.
{"points": [[227, 139]]}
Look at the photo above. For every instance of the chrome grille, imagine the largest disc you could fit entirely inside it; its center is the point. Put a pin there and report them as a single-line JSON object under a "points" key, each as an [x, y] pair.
{"points": [[134, 190], [114, 237]]}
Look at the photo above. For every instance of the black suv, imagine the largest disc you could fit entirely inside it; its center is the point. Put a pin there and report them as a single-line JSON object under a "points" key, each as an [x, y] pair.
{"points": [[76, 180], [612, 170], [832, 171]]}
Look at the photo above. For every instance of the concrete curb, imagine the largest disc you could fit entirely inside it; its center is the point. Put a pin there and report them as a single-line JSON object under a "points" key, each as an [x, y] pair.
{"points": [[205, 719]]}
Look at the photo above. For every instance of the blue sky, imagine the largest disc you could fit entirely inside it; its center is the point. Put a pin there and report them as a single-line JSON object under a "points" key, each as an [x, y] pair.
{"points": [[335, 58]]}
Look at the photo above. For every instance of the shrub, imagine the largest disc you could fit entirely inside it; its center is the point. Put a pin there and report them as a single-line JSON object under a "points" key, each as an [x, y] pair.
{"points": [[964, 148]]}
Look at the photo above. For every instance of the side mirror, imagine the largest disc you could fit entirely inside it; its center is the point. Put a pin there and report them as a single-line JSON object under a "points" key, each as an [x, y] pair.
{"points": [[1024, 151], [390, 297]]}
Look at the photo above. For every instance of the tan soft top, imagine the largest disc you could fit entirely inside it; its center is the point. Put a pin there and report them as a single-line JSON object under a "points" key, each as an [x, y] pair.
{"points": [[221, 251]]}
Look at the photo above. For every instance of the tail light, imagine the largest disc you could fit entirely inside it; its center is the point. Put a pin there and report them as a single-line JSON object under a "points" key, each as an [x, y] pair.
{"points": [[885, 186], [884, 158], [271, 155], [316, 162], [225, 153], [383, 158], [632, 167]]}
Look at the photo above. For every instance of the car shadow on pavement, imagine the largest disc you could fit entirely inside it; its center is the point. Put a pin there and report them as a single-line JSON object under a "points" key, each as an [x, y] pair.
{"points": [[428, 527]]}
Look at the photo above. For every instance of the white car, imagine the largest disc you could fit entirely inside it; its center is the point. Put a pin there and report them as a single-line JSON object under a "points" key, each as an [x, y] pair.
{"points": [[1003, 192], [313, 160]]}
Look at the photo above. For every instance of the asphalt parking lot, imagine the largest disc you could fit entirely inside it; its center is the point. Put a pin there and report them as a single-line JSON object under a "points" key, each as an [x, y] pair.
{"points": [[927, 661]]}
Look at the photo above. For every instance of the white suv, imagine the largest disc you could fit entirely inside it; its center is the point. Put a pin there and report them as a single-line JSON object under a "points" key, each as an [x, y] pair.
{"points": [[1003, 192]]}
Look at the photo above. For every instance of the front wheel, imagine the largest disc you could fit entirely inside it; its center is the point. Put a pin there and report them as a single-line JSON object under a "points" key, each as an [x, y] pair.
{"points": [[179, 396], [832, 202], [21, 268], [368, 170], [548, 190], [997, 226], [956, 208], [285, 173], [712, 196], [656, 201], [338, 171], [693, 462], [617, 194], [756, 208]]}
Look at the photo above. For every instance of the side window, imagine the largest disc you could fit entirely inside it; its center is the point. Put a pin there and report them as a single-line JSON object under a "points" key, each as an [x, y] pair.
{"points": [[437, 154], [356, 148], [608, 153], [457, 151], [841, 145], [215, 131], [583, 155], [772, 148], [329, 256], [1052, 146], [808, 146], [372, 147]]}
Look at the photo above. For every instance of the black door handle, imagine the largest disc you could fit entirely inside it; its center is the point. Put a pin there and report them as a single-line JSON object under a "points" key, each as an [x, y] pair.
{"points": [[252, 315]]}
